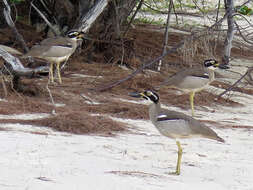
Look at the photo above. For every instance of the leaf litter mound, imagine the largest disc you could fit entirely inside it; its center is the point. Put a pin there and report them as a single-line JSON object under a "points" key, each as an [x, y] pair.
{"points": [[80, 109]]}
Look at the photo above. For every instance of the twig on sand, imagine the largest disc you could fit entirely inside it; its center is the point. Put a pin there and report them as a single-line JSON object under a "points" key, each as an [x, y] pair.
{"points": [[235, 84], [51, 98], [7, 16]]}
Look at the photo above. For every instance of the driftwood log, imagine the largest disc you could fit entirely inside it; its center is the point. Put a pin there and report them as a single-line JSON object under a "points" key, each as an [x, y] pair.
{"points": [[15, 67]]}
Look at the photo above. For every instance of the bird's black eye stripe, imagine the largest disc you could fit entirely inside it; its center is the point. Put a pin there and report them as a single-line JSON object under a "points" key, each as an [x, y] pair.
{"points": [[167, 119], [145, 97], [201, 76], [67, 45]]}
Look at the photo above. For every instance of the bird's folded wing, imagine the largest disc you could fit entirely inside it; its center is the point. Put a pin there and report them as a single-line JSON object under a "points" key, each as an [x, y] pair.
{"points": [[200, 75], [55, 41]]}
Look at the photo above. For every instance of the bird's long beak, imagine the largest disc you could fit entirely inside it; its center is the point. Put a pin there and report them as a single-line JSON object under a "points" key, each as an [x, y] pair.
{"points": [[223, 66], [135, 94], [81, 35]]}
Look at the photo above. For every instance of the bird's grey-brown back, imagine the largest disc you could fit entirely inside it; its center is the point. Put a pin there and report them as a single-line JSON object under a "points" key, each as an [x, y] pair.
{"points": [[179, 125], [53, 47]]}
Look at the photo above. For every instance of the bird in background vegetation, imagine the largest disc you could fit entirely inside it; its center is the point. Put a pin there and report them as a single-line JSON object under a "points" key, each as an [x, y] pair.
{"points": [[174, 124], [193, 79], [56, 50]]}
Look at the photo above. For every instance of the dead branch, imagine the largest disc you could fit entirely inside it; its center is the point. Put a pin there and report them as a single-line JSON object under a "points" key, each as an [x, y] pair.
{"points": [[89, 18], [247, 73], [45, 19], [166, 34], [242, 16], [7, 16], [245, 3], [218, 11], [51, 98], [133, 17], [172, 50], [11, 50], [249, 76], [243, 37], [15, 67]]}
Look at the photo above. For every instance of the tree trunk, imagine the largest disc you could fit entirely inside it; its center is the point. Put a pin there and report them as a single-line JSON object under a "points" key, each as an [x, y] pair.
{"points": [[106, 22], [114, 13], [229, 5], [165, 45]]}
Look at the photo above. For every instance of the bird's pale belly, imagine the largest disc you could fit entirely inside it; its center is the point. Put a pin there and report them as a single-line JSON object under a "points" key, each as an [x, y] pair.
{"points": [[57, 59], [193, 83]]}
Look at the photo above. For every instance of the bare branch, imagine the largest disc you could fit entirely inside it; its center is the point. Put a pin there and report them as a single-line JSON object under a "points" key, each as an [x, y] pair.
{"points": [[52, 99], [88, 19], [11, 50], [7, 15], [172, 50], [243, 37], [45, 19], [134, 15], [236, 83], [245, 3], [166, 34], [249, 76], [16, 67]]}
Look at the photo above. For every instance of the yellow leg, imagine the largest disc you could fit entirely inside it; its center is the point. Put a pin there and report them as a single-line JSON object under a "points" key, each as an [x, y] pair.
{"points": [[51, 74], [192, 102], [58, 72], [179, 157]]}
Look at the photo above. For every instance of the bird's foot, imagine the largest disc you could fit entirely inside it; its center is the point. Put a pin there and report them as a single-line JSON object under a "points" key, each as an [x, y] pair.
{"points": [[174, 173], [52, 83]]}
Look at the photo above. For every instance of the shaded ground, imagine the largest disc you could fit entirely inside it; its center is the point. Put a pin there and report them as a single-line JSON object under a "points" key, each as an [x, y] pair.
{"points": [[82, 109]]}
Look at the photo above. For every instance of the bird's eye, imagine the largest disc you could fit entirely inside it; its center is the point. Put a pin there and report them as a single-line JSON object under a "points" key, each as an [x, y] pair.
{"points": [[148, 93], [73, 34]]}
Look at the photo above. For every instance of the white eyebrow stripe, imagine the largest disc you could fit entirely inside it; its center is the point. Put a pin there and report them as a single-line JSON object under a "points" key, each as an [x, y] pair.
{"points": [[162, 116]]}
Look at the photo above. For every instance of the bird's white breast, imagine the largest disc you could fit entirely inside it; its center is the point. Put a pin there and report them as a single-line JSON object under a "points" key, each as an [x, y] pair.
{"points": [[192, 82]]}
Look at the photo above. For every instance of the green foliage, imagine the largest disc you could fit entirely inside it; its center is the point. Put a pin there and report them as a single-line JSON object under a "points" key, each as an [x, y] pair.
{"points": [[244, 10], [146, 20], [17, 1], [185, 5]]}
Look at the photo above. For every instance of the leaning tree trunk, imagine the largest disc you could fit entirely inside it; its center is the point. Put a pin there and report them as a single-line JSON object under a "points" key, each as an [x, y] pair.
{"points": [[109, 28], [111, 24], [229, 4]]}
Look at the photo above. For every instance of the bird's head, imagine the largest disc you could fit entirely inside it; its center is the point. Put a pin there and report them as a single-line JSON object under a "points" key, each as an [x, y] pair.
{"points": [[147, 94], [76, 35], [213, 64]]}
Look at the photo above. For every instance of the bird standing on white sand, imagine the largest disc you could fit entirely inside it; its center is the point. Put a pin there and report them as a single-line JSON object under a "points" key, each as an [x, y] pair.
{"points": [[174, 124], [194, 79]]}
